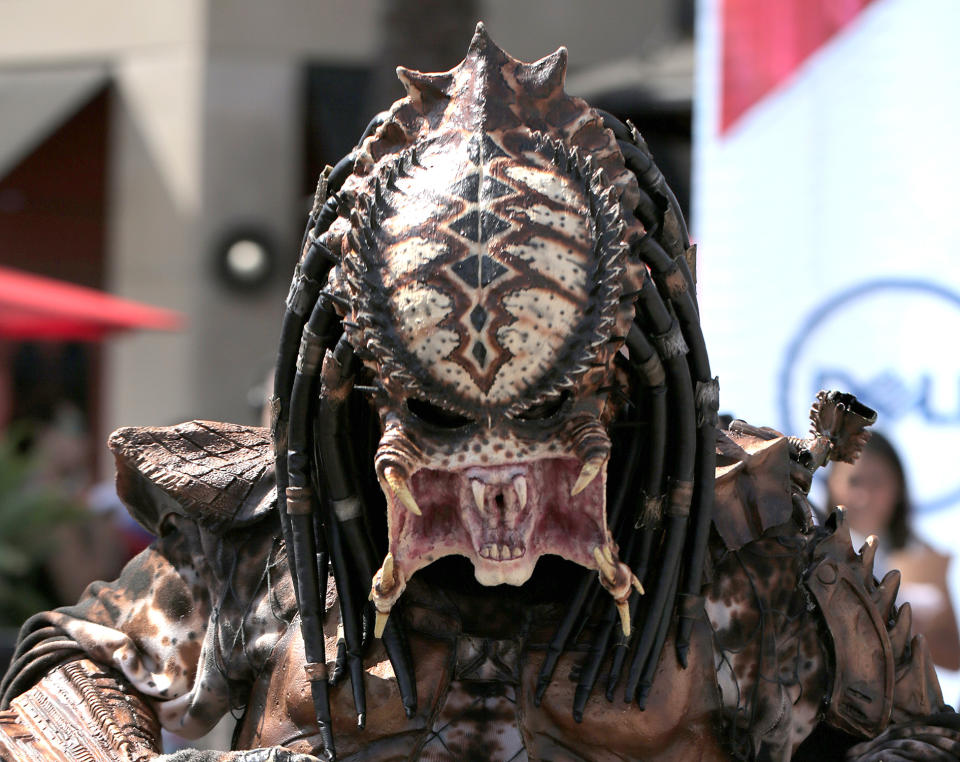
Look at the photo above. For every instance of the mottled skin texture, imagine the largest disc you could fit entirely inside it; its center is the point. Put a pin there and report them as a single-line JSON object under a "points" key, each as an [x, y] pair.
{"points": [[771, 662]]}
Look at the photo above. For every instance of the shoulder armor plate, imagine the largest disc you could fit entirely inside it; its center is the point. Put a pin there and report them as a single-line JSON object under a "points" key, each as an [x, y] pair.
{"points": [[880, 673], [219, 474], [753, 489]]}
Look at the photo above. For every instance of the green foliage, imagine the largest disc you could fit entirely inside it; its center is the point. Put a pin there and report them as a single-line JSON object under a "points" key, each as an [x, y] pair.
{"points": [[30, 514]]}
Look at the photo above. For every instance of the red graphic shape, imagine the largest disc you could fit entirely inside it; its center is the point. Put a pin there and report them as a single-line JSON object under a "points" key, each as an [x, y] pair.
{"points": [[765, 41]]}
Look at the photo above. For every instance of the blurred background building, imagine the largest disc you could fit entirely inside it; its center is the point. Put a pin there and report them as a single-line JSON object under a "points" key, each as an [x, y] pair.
{"points": [[166, 152]]}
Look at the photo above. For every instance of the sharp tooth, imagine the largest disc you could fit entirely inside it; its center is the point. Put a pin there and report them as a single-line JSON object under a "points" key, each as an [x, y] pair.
{"points": [[517, 552], [606, 568], [380, 623], [504, 553], [624, 609], [387, 579], [386, 588], [398, 485], [485, 551], [637, 585], [608, 554], [479, 493], [520, 485], [495, 552], [587, 474]]}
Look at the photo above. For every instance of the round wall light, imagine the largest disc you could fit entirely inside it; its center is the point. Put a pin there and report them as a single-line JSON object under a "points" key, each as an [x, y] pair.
{"points": [[245, 260]]}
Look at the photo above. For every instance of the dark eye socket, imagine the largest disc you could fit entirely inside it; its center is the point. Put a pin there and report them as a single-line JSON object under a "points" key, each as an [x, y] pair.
{"points": [[544, 410], [435, 415]]}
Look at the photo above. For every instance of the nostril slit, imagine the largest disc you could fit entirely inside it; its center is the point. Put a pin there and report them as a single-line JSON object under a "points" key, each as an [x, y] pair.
{"points": [[499, 500]]}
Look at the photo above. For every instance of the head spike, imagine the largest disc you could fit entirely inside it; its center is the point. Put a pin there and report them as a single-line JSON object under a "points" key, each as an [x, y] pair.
{"points": [[425, 87], [545, 76], [483, 47]]}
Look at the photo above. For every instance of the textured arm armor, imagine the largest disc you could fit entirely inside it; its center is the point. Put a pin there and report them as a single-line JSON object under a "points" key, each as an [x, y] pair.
{"points": [[179, 637], [805, 636], [79, 712]]}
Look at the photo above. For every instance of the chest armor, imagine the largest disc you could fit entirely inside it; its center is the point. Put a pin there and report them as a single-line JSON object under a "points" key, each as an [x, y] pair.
{"points": [[475, 702]]}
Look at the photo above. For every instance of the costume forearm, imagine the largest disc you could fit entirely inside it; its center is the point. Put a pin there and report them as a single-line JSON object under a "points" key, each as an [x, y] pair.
{"points": [[79, 712]]}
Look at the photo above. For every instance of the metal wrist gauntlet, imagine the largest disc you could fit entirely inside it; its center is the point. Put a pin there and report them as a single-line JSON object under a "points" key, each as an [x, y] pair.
{"points": [[82, 713]]}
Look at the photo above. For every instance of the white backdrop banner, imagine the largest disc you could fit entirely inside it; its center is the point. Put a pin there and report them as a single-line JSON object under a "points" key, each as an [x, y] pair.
{"points": [[826, 203], [826, 208]]}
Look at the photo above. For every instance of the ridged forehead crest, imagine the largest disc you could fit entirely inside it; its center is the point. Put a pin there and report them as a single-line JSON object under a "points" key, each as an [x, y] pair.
{"points": [[485, 254]]}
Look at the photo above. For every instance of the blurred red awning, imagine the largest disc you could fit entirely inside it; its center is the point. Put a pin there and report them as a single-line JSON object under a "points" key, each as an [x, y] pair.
{"points": [[33, 307]]}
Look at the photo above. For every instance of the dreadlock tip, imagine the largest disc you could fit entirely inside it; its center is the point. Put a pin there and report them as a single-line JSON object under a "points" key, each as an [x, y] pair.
{"points": [[642, 696], [361, 720], [577, 716], [538, 693], [682, 653]]}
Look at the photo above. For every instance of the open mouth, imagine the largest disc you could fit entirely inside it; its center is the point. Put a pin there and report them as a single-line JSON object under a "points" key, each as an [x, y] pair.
{"points": [[503, 518], [497, 522]]}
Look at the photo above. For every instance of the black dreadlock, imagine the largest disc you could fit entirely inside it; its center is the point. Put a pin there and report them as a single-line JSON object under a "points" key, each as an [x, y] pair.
{"points": [[669, 365]]}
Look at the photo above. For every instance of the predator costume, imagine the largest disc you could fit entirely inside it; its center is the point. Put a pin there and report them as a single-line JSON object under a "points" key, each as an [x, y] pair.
{"points": [[494, 519]]}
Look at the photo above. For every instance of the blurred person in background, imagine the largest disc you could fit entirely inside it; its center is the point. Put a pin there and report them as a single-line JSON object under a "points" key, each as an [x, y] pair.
{"points": [[875, 494], [58, 531], [93, 545]]}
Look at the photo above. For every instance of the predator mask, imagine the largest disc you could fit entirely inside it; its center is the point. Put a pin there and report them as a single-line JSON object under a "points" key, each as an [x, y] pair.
{"points": [[485, 280]]}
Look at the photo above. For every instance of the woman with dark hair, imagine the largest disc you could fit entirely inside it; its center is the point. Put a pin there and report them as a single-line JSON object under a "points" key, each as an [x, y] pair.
{"points": [[875, 495]]}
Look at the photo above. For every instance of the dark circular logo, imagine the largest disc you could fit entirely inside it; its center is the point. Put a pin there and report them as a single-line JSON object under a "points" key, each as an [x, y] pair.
{"points": [[892, 343]]}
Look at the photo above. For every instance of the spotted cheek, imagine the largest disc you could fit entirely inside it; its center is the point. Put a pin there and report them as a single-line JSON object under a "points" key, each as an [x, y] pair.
{"points": [[490, 447]]}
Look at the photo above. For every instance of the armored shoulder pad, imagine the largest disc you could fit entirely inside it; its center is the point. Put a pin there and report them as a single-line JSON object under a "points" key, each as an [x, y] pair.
{"points": [[882, 673], [219, 474], [753, 487]]}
